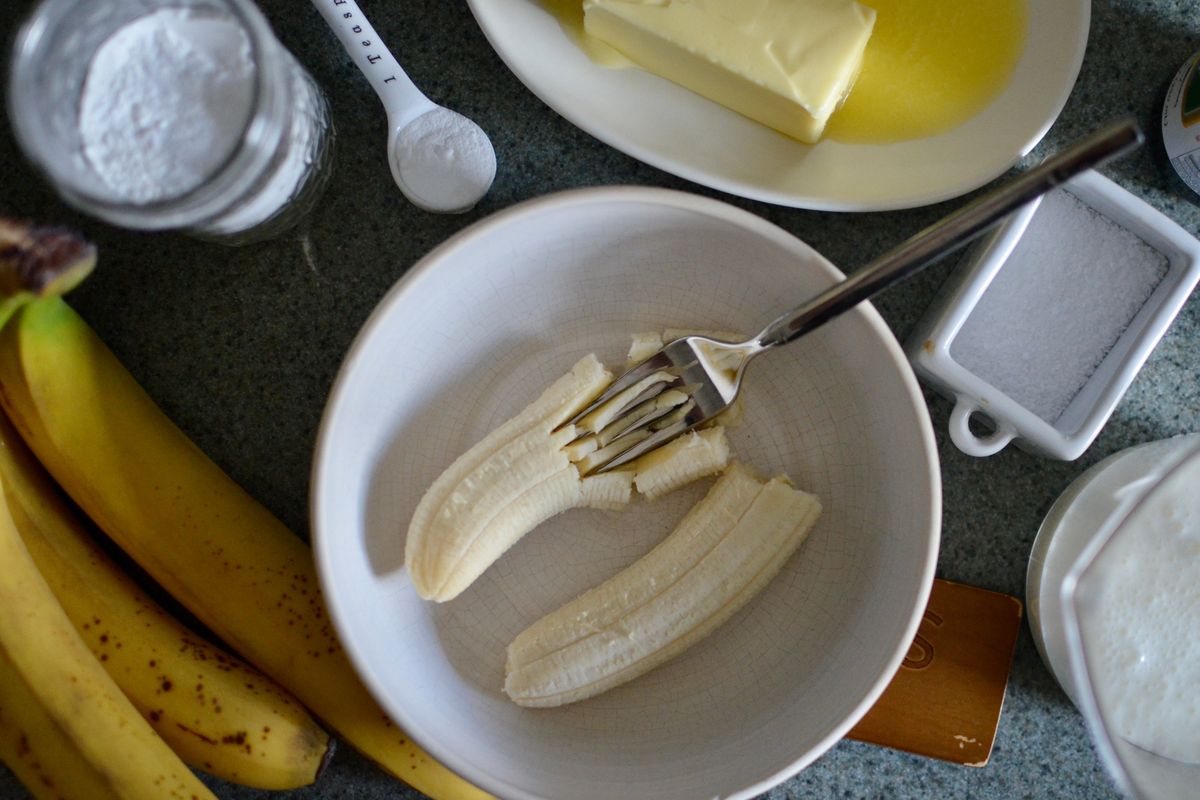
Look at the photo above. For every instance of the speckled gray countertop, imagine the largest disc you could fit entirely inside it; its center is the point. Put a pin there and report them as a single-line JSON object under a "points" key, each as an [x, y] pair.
{"points": [[240, 346]]}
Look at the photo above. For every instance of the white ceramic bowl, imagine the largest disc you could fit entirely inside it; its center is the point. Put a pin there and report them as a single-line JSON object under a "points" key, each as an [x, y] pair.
{"points": [[474, 332], [680, 132]]}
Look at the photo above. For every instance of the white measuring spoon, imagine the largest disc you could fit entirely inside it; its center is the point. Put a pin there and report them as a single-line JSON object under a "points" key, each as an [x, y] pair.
{"points": [[441, 160]]}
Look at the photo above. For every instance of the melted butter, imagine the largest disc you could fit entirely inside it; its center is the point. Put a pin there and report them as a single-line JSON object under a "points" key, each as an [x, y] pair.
{"points": [[569, 14], [930, 66]]}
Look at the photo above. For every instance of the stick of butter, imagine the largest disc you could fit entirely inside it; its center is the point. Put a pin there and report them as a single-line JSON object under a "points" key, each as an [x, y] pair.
{"points": [[785, 63]]}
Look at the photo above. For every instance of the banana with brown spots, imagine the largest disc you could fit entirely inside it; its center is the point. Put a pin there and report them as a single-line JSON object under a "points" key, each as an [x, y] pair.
{"points": [[216, 712]]}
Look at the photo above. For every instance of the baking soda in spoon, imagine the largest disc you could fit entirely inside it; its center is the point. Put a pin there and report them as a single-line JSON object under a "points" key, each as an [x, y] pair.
{"points": [[441, 160]]}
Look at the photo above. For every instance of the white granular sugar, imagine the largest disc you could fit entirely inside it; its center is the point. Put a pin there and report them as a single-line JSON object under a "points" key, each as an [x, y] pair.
{"points": [[164, 103], [1072, 285]]}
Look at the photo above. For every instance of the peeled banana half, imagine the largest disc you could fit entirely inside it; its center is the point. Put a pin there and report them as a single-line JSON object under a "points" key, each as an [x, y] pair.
{"points": [[525, 472], [723, 552], [721, 555]]}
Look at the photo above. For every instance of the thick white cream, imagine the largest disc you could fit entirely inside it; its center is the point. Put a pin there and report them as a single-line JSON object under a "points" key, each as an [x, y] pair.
{"points": [[1140, 621]]}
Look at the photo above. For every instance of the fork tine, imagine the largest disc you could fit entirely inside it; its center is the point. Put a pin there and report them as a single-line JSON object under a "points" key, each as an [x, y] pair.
{"points": [[646, 395], [603, 455], [632, 376], [655, 423], [644, 446], [625, 401], [678, 412], [659, 362], [644, 413]]}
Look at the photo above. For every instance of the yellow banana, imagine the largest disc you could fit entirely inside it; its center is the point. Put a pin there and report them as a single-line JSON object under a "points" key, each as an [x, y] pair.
{"points": [[54, 696], [204, 539], [39, 752], [216, 712]]}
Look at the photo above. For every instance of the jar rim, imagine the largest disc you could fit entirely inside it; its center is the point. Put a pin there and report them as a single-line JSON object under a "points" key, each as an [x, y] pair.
{"points": [[253, 151]]}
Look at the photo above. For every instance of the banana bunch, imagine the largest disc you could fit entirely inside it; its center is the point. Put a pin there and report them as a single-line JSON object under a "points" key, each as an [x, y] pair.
{"points": [[215, 711], [723, 552], [235, 723], [525, 472], [66, 729], [199, 535]]}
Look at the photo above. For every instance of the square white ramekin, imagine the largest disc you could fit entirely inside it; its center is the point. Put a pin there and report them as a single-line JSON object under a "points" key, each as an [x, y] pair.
{"points": [[1067, 437]]}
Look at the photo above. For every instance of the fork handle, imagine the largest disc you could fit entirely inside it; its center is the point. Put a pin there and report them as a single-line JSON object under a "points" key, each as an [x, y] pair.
{"points": [[951, 233]]}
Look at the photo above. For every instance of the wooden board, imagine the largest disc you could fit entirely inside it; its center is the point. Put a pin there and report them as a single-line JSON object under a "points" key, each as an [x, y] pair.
{"points": [[946, 697]]}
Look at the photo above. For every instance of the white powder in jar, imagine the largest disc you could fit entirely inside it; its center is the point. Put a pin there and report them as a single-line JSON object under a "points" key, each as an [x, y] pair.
{"points": [[165, 101]]}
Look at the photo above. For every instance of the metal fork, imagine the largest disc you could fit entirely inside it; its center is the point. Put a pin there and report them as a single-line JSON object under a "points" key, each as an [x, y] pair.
{"points": [[706, 374]]}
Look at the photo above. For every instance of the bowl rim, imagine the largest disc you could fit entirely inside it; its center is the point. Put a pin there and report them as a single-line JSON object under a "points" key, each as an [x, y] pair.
{"points": [[322, 538]]}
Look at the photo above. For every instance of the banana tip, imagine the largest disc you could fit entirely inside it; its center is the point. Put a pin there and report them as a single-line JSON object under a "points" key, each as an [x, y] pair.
{"points": [[326, 759]]}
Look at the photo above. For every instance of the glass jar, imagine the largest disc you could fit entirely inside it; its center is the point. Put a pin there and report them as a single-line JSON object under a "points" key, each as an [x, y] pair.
{"points": [[274, 170], [1114, 605]]}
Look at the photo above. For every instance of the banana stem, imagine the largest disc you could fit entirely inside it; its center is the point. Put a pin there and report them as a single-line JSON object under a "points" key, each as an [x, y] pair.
{"points": [[10, 305], [41, 260]]}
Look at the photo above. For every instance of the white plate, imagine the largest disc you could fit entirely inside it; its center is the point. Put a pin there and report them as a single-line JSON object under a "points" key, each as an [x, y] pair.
{"points": [[471, 335], [675, 130]]}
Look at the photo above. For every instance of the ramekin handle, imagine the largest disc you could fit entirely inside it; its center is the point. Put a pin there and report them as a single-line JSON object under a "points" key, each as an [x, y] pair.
{"points": [[968, 442]]}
